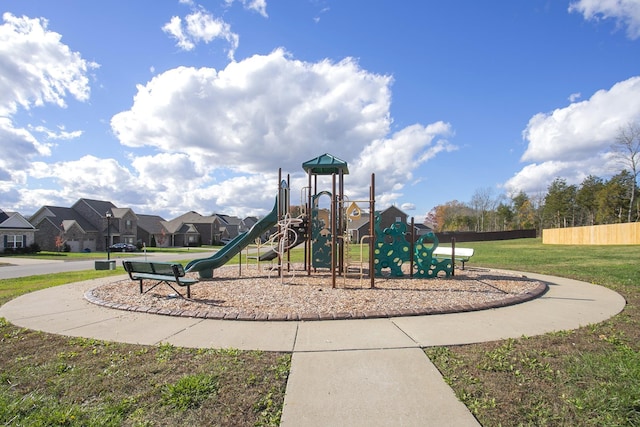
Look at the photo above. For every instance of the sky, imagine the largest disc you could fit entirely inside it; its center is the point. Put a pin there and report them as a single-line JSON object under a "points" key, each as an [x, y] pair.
{"points": [[173, 106]]}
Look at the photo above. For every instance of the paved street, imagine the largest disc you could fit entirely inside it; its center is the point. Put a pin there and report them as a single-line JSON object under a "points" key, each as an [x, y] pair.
{"points": [[22, 267]]}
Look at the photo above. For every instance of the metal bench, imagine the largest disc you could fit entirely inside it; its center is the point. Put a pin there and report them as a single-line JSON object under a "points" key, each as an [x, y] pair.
{"points": [[461, 255], [162, 272]]}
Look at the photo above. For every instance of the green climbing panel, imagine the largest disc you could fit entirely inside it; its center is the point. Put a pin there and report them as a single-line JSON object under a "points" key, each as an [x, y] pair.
{"points": [[320, 234], [392, 250], [425, 265]]}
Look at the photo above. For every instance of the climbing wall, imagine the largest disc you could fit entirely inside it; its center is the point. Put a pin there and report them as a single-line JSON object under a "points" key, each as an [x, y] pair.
{"points": [[425, 265], [392, 250], [320, 234]]}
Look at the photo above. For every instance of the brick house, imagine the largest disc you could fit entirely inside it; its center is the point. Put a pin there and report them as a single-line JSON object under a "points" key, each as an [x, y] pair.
{"points": [[58, 225], [15, 231], [83, 227], [191, 229], [150, 229]]}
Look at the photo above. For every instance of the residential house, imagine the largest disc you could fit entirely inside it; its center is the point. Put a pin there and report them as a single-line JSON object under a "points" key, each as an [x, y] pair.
{"points": [[359, 226], [229, 226], [124, 226], [150, 229], [421, 230], [247, 223], [392, 215], [192, 229], [57, 226], [88, 225], [15, 231], [93, 225]]}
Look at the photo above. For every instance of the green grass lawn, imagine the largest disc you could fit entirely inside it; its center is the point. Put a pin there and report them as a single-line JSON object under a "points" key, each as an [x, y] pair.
{"points": [[590, 376], [52, 380], [586, 377]]}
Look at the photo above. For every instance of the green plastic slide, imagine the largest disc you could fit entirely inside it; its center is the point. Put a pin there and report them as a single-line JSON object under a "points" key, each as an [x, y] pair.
{"points": [[205, 266]]}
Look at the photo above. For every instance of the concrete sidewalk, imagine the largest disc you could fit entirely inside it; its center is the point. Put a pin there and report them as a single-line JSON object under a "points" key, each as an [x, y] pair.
{"points": [[343, 372]]}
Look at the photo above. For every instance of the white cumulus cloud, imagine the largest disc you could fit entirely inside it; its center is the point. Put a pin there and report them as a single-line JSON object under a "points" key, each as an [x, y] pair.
{"points": [[36, 69], [575, 141], [201, 26], [259, 6], [626, 13], [231, 129]]}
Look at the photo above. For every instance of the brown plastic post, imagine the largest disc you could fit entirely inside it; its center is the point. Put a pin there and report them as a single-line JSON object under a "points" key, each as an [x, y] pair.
{"points": [[412, 246], [280, 202], [333, 231], [340, 224], [307, 255], [372, 229], [453, 256], [287, 209]]}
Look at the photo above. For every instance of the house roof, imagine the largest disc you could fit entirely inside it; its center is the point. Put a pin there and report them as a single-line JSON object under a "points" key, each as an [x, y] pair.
{"points": [[121, 212], [68, 223], [101, 207], [228, 219], [14, 221], [422, 226], [187, 229], [191, 217], [356, 223], [57, 215], [250, 221], [394, 208], [152, 224], [326, 164]]}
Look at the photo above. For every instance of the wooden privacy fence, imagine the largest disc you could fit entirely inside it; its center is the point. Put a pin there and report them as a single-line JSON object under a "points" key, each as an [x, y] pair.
{"points": [[609, 234]]}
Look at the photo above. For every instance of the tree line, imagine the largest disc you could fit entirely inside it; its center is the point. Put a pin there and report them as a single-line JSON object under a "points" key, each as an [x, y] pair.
{"points": [[595, 201]]}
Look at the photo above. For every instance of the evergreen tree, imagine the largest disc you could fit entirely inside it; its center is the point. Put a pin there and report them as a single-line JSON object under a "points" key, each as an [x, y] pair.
{"points": [[559, 204], [586, 199]]}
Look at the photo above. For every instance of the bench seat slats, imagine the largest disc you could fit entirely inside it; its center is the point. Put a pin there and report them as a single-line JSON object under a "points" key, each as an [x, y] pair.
{"points": [[183, 281]]}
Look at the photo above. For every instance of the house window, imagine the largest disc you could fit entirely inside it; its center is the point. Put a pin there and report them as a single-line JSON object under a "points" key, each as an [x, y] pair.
{"points": [[192, 239], [14, 241], [127, 224]]}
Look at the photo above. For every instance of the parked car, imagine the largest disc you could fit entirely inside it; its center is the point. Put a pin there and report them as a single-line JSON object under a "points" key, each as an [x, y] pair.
{"points": [[225, 241], [123, 247]]}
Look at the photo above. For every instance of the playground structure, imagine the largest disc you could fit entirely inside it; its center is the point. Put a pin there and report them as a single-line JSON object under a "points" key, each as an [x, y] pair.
{"points": [[329, 236]]}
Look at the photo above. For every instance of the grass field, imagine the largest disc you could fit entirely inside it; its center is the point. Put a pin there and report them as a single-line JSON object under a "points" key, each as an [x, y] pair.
{"points": [[590, 376], [586, 377]]}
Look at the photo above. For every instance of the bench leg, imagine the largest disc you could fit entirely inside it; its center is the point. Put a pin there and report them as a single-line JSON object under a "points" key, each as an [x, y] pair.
{"points": [[167, 283], [171, 286]]}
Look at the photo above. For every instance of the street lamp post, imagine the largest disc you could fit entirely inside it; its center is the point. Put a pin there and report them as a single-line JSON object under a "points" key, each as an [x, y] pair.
{"points": [[108, 216]]}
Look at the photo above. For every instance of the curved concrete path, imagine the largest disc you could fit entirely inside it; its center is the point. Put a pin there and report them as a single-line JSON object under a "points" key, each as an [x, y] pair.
{"points": [[343, 372]]}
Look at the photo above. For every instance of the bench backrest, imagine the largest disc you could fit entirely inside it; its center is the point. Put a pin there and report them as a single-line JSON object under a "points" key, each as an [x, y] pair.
{"points": [[162, 268]]}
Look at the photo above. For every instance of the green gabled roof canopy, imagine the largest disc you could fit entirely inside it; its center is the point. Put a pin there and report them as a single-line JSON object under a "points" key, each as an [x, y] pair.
{"points": [[325, 165]]}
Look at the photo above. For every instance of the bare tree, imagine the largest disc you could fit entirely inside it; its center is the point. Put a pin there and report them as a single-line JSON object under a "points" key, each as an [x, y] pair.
{"points": [[482, 202], [627, 149]]}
